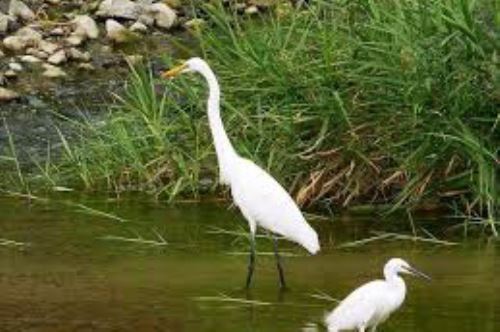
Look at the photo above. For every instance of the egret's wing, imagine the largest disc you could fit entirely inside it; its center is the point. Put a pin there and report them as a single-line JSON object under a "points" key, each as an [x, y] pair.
{"points": [[358, 308], [264, 200]]}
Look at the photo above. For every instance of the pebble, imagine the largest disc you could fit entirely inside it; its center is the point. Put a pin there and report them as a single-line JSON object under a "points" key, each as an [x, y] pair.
{"points": [[18, 9], [15, 66], [251, 10], [58, 57], [48, 47], [86, 26], [165, 17], [75, 39], [116, 32], [8, 95], [10, 74], [57, 32], [139, 27], [37, 53], [78, 55], [86, 66], [29, 59], [52, 71]]}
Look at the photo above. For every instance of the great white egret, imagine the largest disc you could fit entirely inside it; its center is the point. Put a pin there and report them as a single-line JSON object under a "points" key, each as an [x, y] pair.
{"points": [[371, 304], [260, 198]]}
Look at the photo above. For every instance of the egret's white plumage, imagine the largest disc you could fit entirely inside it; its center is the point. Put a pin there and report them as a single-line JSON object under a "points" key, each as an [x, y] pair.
{"points": [[372, 303], [261, 199]]}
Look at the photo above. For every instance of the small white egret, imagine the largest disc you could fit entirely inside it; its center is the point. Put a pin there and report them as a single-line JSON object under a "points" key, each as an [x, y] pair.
{"points": [[371, 304], [260, 198]]}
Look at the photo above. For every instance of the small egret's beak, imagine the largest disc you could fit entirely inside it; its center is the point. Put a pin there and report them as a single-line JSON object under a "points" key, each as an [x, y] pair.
{"points": [[174, 71], [417, 273]]}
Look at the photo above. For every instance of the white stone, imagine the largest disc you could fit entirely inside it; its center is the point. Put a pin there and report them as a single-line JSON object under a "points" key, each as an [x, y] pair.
{"points": [[139, 27], [19, 9], [86, 26], [53, 71], [15, 66], [146, 19], [29, 59], [10, 73], [86, 66], [58, 57], [251, 10], [76, 54], [48, 47], [37, 53], [117, 32], [119, 9], [23, 38], [8, 95], [165, 17], [75, 39], [4, 22], [57, 32]]}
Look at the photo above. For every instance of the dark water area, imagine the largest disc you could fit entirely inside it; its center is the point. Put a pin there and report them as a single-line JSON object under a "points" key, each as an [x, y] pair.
{"points": [[76, 269]]}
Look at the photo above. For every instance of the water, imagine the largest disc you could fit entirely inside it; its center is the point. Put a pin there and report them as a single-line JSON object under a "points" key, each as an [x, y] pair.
{"points": [[73, 274]]}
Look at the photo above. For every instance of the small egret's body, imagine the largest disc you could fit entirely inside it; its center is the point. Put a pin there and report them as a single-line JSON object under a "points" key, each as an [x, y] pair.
{"points": [[261, 199], [371, 304]]}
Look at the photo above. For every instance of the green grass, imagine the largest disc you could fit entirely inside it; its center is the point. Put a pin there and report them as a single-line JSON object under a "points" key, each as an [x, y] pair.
{"points": [[347, 103]]}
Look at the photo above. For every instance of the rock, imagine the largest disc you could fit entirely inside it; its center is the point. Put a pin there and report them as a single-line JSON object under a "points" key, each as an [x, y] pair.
{"points": [[251, 10], [15, 67], [86, 26], [29, 59], [75, 39], [48, 47], [86, 66], [37, 53], [164, 16], [23, 38], [8, 95], [53, 2], [119, 9], [18, 9], [76, 54], [139, 27], [1, 54], [53, 71], [57, 32], [58, 57], [146, 19], [117, 33], [4, 22], [10, 74]]}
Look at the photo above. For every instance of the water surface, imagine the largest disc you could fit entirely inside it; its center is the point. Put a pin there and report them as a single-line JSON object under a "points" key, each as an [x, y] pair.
{"points": [[74, 271]]}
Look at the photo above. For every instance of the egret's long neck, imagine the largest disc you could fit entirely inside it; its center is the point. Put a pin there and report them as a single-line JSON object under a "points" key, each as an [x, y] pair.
{"points": [[223, 148]]}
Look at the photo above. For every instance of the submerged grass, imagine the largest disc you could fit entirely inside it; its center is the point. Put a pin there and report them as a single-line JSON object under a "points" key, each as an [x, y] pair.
{"points": [[346, 102]]}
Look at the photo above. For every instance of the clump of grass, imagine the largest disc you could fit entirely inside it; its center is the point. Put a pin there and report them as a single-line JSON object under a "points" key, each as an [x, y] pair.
{"points": [[346, 102]]}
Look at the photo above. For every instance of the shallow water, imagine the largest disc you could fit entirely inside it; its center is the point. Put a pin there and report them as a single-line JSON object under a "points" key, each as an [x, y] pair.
{"points": [[72, 273]]}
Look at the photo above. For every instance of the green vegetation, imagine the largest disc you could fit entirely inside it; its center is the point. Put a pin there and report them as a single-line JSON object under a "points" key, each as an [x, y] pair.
{"points": [[346, 102]]}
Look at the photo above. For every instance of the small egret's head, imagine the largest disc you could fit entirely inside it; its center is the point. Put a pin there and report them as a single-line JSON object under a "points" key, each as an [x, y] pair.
{"points": [[397, 265], [193, 64]]}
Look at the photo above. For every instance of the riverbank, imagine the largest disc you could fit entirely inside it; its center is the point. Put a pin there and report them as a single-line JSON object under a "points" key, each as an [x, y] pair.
{"points": [[390, 104]]}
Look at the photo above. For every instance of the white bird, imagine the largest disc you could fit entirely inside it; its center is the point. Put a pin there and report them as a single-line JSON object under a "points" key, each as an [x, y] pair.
{"points": [[371, 304], [260, 198]]}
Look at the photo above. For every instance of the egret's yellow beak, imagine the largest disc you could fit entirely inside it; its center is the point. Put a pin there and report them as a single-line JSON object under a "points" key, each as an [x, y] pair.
{"points": [[174, 71]]}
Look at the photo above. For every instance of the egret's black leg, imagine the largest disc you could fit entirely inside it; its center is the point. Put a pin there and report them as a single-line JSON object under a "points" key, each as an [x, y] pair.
{"points": [[251, 262], [278, 263]]}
